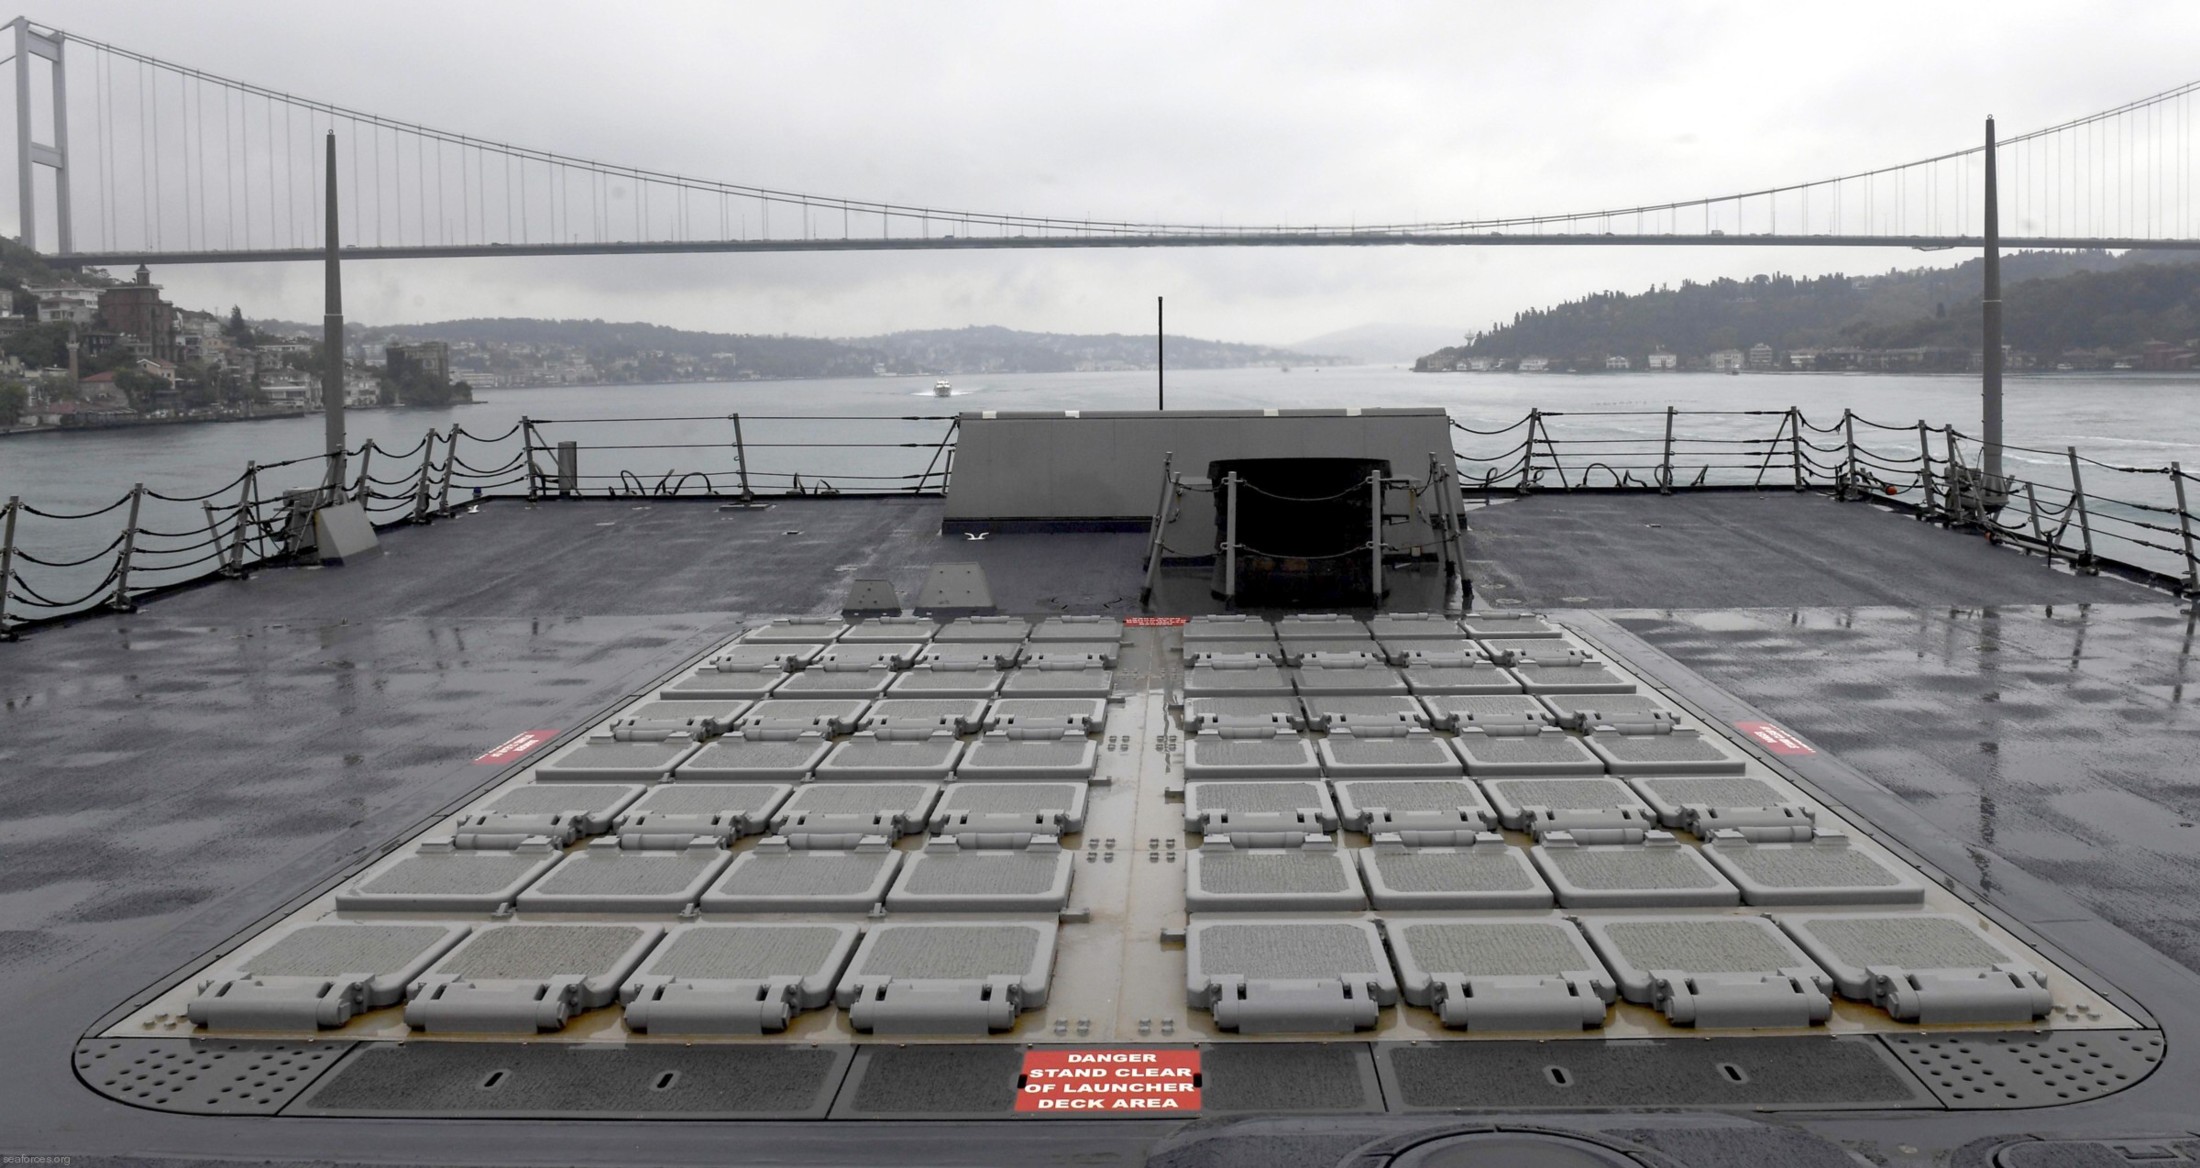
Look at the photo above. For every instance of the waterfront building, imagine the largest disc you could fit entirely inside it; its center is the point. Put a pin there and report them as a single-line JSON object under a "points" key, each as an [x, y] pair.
{"points": [[136, 311], [431, 358], [1535, 364], [1727, 360], [65, 304], [1662, 360], [1761, 356], [1618, 364]]}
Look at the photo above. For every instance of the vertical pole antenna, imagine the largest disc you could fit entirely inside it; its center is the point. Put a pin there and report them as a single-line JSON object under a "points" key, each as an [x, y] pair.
{"points": [[1990, 309], [332, 334]]}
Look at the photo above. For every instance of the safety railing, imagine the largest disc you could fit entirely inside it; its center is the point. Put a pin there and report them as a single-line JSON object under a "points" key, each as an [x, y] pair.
{"points": [[56, 564], [2072, 507], [2077, 509]]}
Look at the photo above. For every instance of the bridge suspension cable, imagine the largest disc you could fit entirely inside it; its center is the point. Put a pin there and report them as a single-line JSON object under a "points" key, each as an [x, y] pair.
{"points": [[188, 165]]}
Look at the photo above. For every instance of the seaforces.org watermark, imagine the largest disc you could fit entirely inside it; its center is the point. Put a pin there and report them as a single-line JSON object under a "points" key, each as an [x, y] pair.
{"points": [[17, 1158]]}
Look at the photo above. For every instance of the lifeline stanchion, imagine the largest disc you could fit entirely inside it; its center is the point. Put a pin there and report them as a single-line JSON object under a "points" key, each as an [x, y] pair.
{"points": [[1665, 467], [7, 563], [420, 486], [741, 459], [2085, 520], [1848, 430], [1795, 444], [120, 602], [1925, 470], [1375, 558], [1230, 538], [2184, 532], [450, 460], [1160, 522]]}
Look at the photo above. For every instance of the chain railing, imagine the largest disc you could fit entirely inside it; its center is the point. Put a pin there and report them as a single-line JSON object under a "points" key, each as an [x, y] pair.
{"points": [[60, 564], [2076, 509], [2068, 506]]}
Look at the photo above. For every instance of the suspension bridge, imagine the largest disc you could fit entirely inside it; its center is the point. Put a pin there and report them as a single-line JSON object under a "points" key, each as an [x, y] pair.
{"points": [[124, 158]]}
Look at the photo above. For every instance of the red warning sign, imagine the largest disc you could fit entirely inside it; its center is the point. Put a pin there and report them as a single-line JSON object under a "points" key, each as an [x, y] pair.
{"points": [[1082, 1081], [1150, 622], [1773, 738], [516, 747]]}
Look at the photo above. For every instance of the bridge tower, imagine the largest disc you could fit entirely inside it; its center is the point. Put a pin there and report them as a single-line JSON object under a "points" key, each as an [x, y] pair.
{"points": [[30, 153]]}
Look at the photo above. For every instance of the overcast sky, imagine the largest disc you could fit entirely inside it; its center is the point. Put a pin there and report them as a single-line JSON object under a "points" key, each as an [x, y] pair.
{"points": [[1249, 113]]}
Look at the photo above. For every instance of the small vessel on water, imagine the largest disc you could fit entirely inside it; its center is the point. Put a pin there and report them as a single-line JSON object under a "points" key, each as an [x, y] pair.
{"points": [[941, 388]]}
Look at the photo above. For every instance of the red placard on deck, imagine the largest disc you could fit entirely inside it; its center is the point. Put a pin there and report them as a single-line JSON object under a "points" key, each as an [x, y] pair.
{"points": [[1078, 1081], [1148, 622], [1773, 738], [516, 747]]}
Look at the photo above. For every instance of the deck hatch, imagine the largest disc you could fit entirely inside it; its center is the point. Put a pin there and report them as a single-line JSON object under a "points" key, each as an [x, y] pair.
{"points": [[1042, 808], [1396, 750], [1285, 974], [526, 978], [1045, 676], [1451, 711], [1010, 629], [1078, 628], [439, 877], [736, 978], [1412, 626], [947, 977], [956, 715], [702, 718], [782, 752], [1030, 752], [1703, 805], [948, 679], [1571, 677], [1238, 675], [1329, 712], [1712, 971], [1425, 809], [1271, 872], [891, 810], [1457, 675], [901, 752], [1523, 750], [825, 715], [628, 754], [1477, 873], [1591, 810], [1926, 968], [1482, 975], [605, 877], [1224, 806], [1656, 873], [1243, 752], [1658, 749], [320, 976], [775, 876], [1345, 673], [1823, 870], [1088, 715], [561, 812], [1507, 624], [721, 812], [966, 873], [1576, 711]]}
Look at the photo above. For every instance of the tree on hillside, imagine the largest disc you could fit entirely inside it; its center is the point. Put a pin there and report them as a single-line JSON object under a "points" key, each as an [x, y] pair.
{"points": [[14, 401]]}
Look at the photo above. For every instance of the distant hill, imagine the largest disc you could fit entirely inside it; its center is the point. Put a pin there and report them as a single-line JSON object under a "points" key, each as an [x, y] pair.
{"points": [[989, 349], [1382, 343], [2054, 302], [935, 351]]}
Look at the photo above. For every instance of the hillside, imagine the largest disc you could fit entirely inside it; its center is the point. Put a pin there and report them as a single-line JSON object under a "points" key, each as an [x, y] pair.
{"points": [[2056, 303], [646, 348]]}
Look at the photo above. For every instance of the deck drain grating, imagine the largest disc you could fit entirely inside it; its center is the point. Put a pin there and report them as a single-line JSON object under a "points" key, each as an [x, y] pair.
{"points": [[2029, 1069], [204, 1078]]}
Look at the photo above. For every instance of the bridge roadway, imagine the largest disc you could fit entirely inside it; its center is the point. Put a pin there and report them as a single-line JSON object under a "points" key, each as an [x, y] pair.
{"points": [[106, 259]]}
